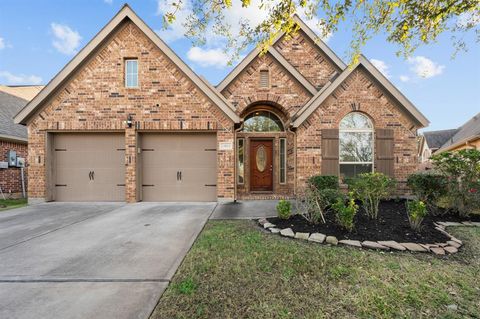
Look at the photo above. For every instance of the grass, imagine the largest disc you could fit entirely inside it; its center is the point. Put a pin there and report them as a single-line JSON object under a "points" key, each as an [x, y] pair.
{"points": [[12, 203], [235, 271]]}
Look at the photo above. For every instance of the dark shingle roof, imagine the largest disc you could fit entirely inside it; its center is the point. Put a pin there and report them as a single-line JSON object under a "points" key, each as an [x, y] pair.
{"points": [[467, 130], [9, 106], [435, 139]]}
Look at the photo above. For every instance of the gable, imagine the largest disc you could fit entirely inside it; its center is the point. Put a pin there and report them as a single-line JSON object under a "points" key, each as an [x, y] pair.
{"points": [[125, 14], [303, 54], [284, 90]]}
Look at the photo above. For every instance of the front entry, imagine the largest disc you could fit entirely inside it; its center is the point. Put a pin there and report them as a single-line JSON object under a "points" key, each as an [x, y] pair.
{"points": [[261, 165]]}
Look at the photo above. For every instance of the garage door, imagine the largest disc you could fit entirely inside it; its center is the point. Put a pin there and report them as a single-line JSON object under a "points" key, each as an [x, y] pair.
{"points": [[179, 167], [89, 167]]}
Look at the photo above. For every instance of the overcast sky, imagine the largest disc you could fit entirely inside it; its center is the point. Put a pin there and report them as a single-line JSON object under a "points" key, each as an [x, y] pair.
{"points": [[37, 38]]}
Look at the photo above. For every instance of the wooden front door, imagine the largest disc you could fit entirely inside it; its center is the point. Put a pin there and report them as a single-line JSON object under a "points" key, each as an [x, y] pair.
{"points": [[261, 165]]}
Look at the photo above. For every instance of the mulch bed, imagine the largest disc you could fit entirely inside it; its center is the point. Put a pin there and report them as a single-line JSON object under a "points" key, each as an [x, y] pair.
{"points": [[392, 224]]}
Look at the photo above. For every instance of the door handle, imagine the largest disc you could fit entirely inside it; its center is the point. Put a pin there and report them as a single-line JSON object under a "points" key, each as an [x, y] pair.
{"points": [[93, 175], [180, 175], [90, 175]]}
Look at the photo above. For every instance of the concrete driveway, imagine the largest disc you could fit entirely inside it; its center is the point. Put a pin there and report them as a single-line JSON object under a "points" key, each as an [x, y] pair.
{"points": [[75, 260]]}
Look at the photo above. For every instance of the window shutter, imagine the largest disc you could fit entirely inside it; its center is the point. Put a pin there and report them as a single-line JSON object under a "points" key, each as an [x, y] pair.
{"points": [[384, 151], [330, 150]]}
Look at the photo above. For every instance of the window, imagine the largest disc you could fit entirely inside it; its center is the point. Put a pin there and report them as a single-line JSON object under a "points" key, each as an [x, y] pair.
{"points": [[356, 145], [240, 161], [264, 79], [262, 121], [131, 73], [283, 160]]}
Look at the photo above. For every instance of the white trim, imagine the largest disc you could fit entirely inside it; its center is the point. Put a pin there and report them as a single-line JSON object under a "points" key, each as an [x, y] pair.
{"points": [[126, 74], [284, 139], [237, 157], [353, 130]]}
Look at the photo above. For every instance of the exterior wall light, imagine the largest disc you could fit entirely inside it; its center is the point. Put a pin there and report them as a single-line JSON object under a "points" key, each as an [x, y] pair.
{"points": [[129, 121]]}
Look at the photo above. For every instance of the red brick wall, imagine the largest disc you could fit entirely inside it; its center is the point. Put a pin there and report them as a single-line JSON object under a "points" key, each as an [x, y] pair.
{"points": [[307, 58], [358, 88], [96, 99], [10, 178]]}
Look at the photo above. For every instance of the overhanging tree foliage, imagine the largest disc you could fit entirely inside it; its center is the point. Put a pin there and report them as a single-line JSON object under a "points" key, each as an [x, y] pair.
{"points": [[407, 23]]}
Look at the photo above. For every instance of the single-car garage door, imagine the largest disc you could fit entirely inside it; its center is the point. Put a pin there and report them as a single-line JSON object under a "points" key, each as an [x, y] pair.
{"points": [[179, 167], [89, 167]]}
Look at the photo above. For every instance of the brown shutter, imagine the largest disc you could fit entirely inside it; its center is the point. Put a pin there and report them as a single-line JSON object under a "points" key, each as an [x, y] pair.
{"points": [[384, 151], [330, 152]]}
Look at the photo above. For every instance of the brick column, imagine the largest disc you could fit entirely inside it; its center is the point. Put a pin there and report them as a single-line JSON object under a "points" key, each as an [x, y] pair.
{"points": [[130, 165]]}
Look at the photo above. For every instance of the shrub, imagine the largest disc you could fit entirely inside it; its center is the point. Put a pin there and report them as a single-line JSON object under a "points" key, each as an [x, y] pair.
{"points": [[284, 209], [416, 210], [324, 182], [370, 188], [345, 214], [312, 203], [462, 170], [429, 187]]}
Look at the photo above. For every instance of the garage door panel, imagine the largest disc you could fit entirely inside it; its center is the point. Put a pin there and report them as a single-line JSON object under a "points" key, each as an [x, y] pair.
{"points": [[89, 167], [164, 155]]}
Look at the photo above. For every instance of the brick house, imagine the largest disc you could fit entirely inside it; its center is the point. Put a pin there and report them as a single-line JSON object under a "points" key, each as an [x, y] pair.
{"points": [[128, 120], [13, 138]]}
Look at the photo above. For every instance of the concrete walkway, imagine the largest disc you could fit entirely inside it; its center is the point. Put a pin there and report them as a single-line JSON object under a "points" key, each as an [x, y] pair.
{"points": [[246, 209], [107, 260]]}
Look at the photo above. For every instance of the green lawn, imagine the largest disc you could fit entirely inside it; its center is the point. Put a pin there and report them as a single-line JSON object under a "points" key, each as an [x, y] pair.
{"points": [[235, 271], [12, 203]]}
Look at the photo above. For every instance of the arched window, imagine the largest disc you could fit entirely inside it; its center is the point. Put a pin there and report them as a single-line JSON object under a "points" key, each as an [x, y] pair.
{"points": [[262, 121], [356, 145]]}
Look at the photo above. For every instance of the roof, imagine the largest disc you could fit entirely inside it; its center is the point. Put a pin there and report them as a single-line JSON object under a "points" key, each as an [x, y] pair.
{"points": [[465, 133], [26, 92], [330, 87], [274, 52], [125, 13], [435, 139], [9, 106]]}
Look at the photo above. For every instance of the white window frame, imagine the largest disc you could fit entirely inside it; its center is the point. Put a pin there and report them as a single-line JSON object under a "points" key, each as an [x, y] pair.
{"points": [[284, 175], [354, 130], [127, 74]]}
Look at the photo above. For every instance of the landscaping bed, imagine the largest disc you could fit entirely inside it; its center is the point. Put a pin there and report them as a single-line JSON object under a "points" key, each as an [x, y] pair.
{"points": [[392, 224]]}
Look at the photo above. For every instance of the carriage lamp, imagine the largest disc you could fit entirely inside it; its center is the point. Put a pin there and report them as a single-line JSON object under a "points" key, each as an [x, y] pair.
{"points": [[129, 121]]}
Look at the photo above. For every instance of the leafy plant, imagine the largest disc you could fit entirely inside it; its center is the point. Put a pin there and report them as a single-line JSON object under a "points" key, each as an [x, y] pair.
{"points": [[370, 188], [324, 182], [284, 209], [345, 213], [429, 187], [462, 171], [313, 203], [417, 210]]}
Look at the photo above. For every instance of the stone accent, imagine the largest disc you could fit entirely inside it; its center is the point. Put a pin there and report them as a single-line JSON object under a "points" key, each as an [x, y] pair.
{"points": [[268, 225], [287, 232], [392, 244], [275, 230], [304, 236], [454, 244], [451, 249], [348, 242], [413, 247], [374, 245], [332, 240], [317, 237], [437, 250]]}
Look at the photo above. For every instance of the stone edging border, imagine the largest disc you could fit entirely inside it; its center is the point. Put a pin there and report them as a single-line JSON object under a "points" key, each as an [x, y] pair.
{"points": [[451, 246]]}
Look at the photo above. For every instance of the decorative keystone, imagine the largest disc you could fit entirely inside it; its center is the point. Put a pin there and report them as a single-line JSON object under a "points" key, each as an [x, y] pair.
{"points": [[287, 232], [317, 237]]}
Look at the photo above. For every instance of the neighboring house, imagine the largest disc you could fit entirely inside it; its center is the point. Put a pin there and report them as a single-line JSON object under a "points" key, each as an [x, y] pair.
{"points": [[128, 120], [466, 136], [26, 92], [13, 137], [431, 141]]}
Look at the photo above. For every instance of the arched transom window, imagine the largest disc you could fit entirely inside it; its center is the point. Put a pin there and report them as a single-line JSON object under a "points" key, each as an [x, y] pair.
{"points": [[262, 121], [356, 145]]}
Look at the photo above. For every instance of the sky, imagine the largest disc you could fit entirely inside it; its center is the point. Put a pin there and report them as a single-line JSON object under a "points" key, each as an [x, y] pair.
{"points": [[37, 39]]}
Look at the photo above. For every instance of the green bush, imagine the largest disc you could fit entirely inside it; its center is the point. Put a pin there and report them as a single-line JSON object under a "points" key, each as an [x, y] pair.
{"points": [[312, 203], [370, 188], [417, 210], [345, 214], [429, 187], [324, 182], [284, 209], [462, 170]]}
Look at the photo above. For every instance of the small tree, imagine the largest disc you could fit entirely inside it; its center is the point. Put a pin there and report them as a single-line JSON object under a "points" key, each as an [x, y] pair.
{"points": [[370, 188], [462, 170]]}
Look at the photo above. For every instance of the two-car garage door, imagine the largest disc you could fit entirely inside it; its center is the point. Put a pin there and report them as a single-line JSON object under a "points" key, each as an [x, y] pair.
{"points": [[172, 167]]}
